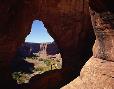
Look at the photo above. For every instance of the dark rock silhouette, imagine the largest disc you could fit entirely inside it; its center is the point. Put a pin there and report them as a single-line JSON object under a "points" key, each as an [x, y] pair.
{"points": [[19, 64]]}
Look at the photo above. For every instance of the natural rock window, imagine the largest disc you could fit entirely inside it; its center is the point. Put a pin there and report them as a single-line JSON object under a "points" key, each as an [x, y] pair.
{"points": [[37, 55]]}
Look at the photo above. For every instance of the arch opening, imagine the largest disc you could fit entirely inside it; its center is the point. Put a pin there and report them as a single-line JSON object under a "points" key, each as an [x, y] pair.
{"points": [[38, 33], [38, 54]]}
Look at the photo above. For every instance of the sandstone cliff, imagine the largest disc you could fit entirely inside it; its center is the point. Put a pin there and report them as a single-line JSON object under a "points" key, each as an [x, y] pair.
{"points": [[98, 72], [28, 49]]}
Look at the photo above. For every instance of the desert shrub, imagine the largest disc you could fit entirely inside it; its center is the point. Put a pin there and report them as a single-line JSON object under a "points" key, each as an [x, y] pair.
{"points": [[39, 69], [16, 75], [41, 59], [21, 77], [47, 62]]}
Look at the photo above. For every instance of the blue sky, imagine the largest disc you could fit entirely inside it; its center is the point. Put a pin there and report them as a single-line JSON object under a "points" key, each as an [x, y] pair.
{"points": [[38, 33]]}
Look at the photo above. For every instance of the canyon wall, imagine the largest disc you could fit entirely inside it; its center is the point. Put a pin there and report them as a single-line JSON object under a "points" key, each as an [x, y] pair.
{"points": [[98, 72], [30, 49]]}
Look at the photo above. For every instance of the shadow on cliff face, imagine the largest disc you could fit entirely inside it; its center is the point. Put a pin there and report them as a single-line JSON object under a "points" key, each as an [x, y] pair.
{"points": [[19, 64], [20, 67]]}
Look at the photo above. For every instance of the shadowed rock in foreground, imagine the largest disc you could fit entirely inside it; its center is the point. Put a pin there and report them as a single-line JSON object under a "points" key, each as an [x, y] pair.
{"points": [[98, 72]]}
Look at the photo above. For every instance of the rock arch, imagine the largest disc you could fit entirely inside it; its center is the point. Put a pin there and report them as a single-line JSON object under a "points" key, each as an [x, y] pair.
{"points": [[67, 21]]}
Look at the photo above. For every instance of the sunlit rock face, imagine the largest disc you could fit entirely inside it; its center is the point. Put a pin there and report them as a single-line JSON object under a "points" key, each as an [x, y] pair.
{"points": [[103, 23], [98, 72], [67, 21]]}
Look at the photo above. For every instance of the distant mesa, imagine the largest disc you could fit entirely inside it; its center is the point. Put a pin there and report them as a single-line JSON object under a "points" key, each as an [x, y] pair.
{"points": [[42, 50]]}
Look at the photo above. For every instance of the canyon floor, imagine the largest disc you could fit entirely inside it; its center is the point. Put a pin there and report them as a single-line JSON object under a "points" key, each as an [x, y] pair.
{"points": [[40, 66], [28, 63]]}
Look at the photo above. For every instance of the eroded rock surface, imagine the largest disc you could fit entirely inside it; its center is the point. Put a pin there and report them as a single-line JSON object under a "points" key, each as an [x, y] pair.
{"points": [[67, 21], [98, 72]]}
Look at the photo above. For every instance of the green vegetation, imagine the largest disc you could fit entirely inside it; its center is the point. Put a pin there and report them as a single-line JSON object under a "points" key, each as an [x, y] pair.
{"points": [[41, 65], [21, 77], [47, 62]]}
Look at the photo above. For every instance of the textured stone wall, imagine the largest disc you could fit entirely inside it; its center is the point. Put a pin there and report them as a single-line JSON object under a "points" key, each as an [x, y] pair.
{"points": [[98, 72], [67, 21]]}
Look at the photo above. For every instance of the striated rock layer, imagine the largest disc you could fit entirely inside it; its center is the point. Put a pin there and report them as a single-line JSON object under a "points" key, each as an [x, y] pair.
{"points": [[67, 21], [98, 72], [28, 49]]}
